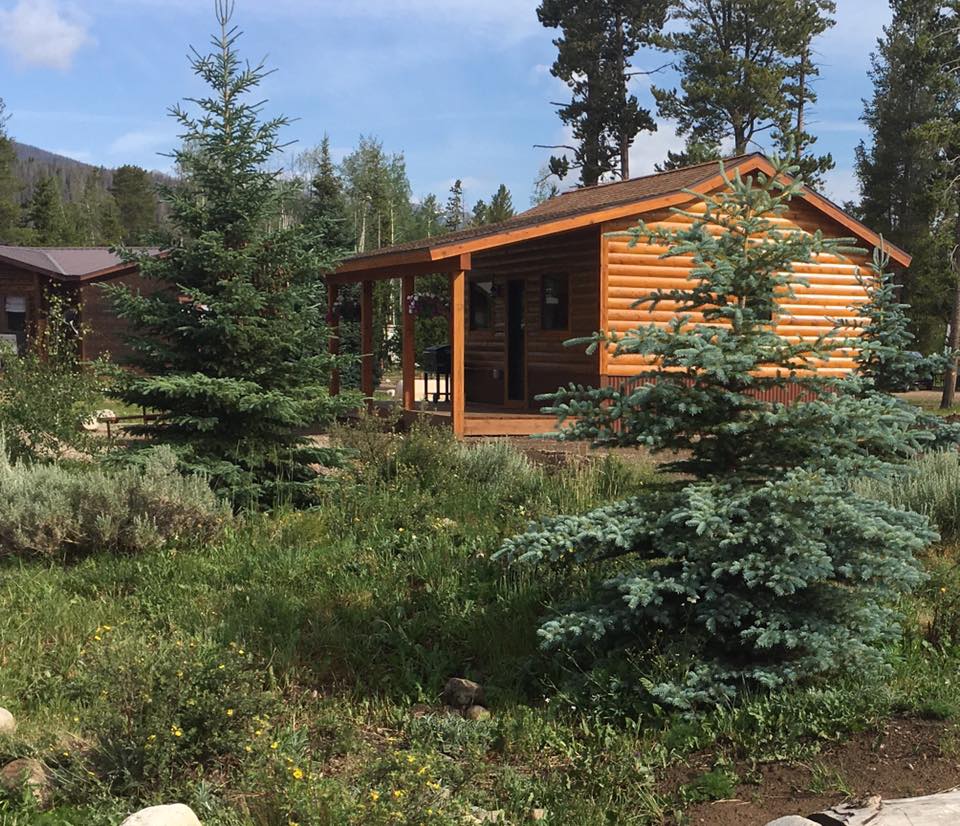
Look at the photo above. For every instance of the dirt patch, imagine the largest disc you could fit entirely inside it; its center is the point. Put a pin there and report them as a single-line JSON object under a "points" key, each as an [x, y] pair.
{"points": [[906, 758]]}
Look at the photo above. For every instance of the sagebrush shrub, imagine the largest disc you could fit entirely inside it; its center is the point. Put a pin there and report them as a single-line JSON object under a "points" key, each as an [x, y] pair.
{"points": [[60, 511]]}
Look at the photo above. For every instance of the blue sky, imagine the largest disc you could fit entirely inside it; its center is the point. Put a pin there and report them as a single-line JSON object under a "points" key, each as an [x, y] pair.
{"points": [[461, 87]]}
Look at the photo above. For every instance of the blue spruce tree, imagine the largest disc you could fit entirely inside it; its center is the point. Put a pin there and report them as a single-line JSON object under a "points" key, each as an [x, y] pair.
{"points": [[757, 560]]}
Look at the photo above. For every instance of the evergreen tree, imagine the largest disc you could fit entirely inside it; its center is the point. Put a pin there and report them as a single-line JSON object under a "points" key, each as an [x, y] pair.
{"points": [[46, 215], [9, 184], [232, 346], [809, 20], [598, 40], [759, 566], [326, 211], [454, 215], [903, 168], [479, 215], [695, 152], [886, 348], [501, 206], [745, 68], [136, 198]]}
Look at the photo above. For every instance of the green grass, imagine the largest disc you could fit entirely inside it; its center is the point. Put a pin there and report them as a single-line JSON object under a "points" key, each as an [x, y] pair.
{"points": [[289, 656]]}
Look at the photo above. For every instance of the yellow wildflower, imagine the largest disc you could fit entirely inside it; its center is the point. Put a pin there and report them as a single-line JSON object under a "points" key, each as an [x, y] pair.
{"points": [[297, 774], [374, 795], [229, 712]]}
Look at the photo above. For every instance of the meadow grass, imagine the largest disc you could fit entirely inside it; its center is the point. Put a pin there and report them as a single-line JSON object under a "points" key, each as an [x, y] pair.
{"points": [[272, 676]]}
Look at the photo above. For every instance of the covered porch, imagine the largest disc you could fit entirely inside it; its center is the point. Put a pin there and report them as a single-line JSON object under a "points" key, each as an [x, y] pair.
{"points": [[492, 386], [465, 419]]}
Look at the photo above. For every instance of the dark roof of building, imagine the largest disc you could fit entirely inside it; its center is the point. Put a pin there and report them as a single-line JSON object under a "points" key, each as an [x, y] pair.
{"points": [[589, 205], [65, 263], [572, 203]]}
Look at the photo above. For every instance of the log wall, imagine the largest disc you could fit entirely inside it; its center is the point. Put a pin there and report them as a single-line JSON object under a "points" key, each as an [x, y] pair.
{"points": [[632, 272], [549, 363]]}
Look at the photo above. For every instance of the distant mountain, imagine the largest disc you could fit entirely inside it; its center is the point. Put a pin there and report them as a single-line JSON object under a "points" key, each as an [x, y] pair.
{"points": [[34, 163]]}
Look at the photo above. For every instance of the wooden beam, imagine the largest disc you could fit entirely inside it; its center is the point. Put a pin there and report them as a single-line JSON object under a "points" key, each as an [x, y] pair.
{"points": [[409, 355], [374, 272], [333, 320], [366, 340], [458, 400]]}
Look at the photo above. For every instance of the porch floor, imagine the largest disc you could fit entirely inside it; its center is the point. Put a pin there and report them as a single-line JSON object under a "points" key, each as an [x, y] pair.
{"points": [[488, 420]]}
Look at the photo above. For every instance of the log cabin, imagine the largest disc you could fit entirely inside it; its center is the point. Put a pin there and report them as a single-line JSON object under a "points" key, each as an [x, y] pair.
{"points": [[522, 287], [27, 276]]}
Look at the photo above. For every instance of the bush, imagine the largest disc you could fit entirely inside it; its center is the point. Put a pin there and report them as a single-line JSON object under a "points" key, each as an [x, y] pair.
{"points": [[163, 709], [54, 511], [929, 485], [46, 394]]}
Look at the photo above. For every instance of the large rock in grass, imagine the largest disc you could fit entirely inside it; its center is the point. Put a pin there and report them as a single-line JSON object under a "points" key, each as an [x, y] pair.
{"points": [[174, 815], [462, 694], [27, 774], [8, 725]]}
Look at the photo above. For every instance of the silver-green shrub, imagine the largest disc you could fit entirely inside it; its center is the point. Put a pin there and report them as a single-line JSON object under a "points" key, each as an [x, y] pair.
{"points": [[55, 511], [929, 485]]}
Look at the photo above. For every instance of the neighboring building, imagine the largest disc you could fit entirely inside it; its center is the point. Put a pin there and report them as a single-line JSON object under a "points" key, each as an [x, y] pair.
{"points": [[28, 273], [523, 287]]}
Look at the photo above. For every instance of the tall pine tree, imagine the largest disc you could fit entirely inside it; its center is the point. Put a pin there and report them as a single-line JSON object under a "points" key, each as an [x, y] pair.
{"points": [[232, 345], [501, 205], [903, 166], [745, 70], [598, 40], [136, 198], [46, 216], [9, 184]]}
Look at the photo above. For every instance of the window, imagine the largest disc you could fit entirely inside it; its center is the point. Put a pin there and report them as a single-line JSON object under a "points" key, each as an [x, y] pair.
{"points": [[16, 309], [555, 302], [481, 305]]}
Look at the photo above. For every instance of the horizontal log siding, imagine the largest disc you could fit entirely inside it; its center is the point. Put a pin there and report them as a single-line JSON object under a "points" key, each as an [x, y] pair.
{"points": [[549, 363], [630, 273]]}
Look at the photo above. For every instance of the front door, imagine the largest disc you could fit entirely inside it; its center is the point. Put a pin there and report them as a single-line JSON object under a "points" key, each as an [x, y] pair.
{"points": [[516, 342]]}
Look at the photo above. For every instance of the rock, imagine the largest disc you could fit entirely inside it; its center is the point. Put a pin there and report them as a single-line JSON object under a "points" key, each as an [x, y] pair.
{"points": [[461, 693], [538, 814], [8, 725], [476, 713], [792, 820], [27, 773], [420, 710], [486, 816], [175, 815]]}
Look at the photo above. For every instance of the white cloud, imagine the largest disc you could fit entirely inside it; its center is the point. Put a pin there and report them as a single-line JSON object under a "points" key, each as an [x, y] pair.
{"points": [[42, 33], [841, 185], [142, 141]]}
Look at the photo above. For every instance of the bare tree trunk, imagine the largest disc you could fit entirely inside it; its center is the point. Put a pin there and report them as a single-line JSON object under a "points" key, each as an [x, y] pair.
{"points": [[625, 139], [953, 340], [801, 100]]}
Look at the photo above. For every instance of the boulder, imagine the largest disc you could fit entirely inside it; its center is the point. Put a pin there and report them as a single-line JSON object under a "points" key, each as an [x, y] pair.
{"points": [[792, 820], [538, 814], [8, 725], [476, 713], [26, 773], [174, 815], [461, 693]]}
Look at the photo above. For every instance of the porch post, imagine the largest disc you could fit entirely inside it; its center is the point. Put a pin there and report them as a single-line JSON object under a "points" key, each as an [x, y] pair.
{"points": [[333, 321], [458, 283], [409, 356], [366, 340]]}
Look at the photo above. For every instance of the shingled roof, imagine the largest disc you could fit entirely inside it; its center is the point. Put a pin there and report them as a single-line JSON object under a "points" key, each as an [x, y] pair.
{"points": [[591, 205], [66, 263]]}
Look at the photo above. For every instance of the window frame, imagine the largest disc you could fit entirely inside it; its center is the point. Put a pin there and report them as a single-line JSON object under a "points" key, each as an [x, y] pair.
{"points": [[473, 287], [567, 322]]}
